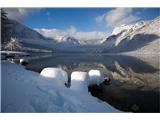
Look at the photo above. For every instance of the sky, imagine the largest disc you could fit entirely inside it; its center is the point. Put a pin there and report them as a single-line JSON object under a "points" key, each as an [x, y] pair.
{"points": [[80, 20]]}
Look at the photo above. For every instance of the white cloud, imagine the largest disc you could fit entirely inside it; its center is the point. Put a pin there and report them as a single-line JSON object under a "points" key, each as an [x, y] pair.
{"points": [[19, 13], [92, 35], [52, 33], [117, 17], [72, 31]]}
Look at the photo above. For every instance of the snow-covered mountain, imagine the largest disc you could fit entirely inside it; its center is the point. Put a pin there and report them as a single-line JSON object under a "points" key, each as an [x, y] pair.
{"points": [[77, 37], [141, 37], [28, 36], [33, 39]]}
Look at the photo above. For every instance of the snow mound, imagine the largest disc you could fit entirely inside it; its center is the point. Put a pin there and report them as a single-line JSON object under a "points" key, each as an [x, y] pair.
{"points": [[79, 81], [56, 74], [95, 77], [27, 91]]}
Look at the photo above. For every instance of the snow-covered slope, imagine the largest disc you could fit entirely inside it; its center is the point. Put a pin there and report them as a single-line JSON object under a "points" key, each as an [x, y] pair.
{"points": [[141, 37], [27, 91], [28, 36], [33, 39]]}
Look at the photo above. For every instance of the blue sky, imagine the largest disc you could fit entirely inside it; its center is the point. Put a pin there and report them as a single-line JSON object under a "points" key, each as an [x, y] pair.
{"points": [[83, 19]]}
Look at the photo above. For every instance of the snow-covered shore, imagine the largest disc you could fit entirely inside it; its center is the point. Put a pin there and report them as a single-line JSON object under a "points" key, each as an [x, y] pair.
{"points": [[28, 91]]}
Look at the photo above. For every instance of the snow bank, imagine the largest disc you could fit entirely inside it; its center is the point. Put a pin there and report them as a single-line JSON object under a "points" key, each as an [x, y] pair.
{"points": [[13, 53], [27, 91], [79, 81], [56, 74], [95, 77]]}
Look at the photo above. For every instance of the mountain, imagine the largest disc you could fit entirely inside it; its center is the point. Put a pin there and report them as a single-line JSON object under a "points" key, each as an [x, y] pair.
{"points": [[30, 38], [141, 37], [78, 37]]}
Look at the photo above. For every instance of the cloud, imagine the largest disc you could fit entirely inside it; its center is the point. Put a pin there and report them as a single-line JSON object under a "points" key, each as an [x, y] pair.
{"points": [[72, 31], [117, 17], [52, 33], [19, 13], [92, 35]]}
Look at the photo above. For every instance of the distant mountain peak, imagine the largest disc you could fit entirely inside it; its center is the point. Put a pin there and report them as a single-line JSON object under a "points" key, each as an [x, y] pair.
{"points": [[141, 36]]}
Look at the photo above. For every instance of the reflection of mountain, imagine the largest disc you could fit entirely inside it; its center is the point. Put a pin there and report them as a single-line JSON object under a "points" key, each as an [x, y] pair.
{"points": [[134, 85], [133, 79], [128, 68]]}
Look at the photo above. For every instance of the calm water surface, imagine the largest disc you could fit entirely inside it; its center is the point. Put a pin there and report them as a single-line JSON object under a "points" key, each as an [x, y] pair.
{"points": [[134, 85]]}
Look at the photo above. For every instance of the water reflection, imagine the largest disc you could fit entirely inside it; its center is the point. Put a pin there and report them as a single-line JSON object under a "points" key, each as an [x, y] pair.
{"points": [[134, 82]]}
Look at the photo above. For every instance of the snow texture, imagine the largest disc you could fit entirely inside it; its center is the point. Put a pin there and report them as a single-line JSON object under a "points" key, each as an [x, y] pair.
{"points": [[13, 52], [95, 77], [55, 74], [79, 81], [27, 91], [141, 37]]}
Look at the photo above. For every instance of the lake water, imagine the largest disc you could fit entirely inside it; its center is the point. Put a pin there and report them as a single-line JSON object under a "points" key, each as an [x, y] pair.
{"points": [[134, 85]]}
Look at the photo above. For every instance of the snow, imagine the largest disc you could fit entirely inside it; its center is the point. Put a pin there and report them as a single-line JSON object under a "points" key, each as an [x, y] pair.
{"points": [[79, 81], [121, 28], [36, 50], [127, 30], [128, 27], [95, 77], [56, 74], [28, 91], [50, 39], [23, 60], [13, 52], [141, 37]]}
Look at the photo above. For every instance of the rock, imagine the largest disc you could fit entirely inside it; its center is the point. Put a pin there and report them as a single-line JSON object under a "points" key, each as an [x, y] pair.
{"points": [[107, 81], [135, 107], [23, 61]]}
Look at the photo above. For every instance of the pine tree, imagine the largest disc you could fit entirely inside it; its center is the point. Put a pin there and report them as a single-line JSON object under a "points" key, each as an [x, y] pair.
{"points": [[5, 25]]}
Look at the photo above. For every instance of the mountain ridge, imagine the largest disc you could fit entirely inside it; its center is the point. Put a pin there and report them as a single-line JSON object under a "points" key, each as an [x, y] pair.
{"points": [[137, 37]]}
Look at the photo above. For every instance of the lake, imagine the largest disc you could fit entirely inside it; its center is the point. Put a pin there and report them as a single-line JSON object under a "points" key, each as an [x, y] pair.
{"points": [[134, 85]]}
